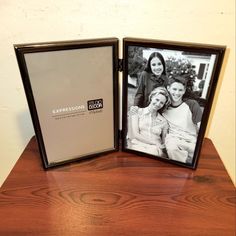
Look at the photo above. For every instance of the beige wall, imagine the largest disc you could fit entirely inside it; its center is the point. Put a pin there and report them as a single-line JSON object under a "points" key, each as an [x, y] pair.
{"points": [[22, 21]]}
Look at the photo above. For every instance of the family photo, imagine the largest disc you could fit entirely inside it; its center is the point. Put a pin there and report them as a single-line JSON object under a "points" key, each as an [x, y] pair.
{"points": [[167, 92]]}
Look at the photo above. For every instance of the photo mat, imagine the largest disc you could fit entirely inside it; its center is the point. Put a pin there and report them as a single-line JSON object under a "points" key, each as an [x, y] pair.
{"points": [[168, 90]]}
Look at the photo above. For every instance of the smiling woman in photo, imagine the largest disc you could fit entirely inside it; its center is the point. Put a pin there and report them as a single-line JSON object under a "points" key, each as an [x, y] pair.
{"points": [[147, 127], [152, 77]]}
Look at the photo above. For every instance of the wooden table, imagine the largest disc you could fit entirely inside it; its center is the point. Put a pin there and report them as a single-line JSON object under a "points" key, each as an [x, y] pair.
{"points": [[118, 194]]}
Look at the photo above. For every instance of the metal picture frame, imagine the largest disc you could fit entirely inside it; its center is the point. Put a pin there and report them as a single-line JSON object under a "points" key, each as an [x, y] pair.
{"points": [[72, 93], [168, 90]]}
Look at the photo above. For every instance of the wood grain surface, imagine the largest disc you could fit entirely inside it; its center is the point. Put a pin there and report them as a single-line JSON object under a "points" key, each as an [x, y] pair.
{"points": [[118, 194]]}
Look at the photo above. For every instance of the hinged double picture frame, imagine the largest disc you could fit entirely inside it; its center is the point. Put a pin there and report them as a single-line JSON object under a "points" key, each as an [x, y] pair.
{"points": [[73, 93]]}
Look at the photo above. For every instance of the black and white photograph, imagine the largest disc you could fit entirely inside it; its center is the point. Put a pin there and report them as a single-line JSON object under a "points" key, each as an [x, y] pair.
{"points": [[167, 97]]}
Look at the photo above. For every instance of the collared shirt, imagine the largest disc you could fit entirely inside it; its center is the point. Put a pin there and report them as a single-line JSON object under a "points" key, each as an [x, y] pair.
{"points": [[150, 126]]}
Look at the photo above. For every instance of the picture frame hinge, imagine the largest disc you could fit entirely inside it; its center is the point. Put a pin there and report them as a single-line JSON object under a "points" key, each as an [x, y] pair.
{"points": [[120, 65]]}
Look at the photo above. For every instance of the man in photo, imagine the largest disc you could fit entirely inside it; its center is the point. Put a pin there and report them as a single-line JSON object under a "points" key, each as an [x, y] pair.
{"points": [[184, 117]]}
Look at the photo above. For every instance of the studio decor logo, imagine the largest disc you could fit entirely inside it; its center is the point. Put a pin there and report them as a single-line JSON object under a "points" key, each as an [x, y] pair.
{"points": [[95, 104]]}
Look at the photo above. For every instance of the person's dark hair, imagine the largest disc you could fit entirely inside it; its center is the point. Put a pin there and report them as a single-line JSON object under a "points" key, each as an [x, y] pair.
{"points": [[158, 55], [178, 79]]}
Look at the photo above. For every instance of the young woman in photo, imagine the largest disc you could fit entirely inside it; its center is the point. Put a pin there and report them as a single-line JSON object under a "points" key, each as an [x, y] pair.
{"points": [[147, 127], [152, 77]]}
